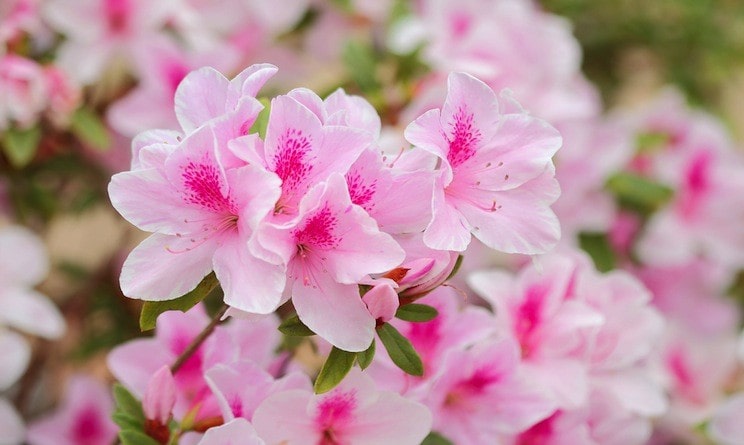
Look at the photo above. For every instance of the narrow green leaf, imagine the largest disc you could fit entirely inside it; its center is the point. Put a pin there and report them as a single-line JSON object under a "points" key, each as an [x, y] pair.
{"points": [[458, 264], [262, 120], [400, 350], [638, 193], [20, 145], [126, 421], [294, 327], [136, 437], [365, 357], [87, 126], [416, 312], [127, 404], [647, 142], [334, 370], [152, 309], [435, 438], [598, 247]]}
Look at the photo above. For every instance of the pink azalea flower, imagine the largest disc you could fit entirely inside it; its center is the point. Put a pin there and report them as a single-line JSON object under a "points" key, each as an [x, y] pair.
{"points": [[25, 91], [158, 402], [203, 215], [541, 311], [84, 417], [330, 247], [241, 386], [479, 394], [354, 412], [16, 17], [496, 178], [100, 32], [235, 432]]}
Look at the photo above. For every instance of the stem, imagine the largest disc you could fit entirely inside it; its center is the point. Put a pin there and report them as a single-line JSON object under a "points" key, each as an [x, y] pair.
{"points": [[198, 340]]}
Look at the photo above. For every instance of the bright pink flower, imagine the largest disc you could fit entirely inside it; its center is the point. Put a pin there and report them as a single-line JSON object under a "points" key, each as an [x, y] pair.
{"points": [[18, 16], [84, 417], [479, 394], [496, 177], [64, 95], [354, 412], [235, 432], [203, 215], [330, 247]]}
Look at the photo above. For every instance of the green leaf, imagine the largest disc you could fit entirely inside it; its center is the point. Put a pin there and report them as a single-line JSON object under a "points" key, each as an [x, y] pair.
{"points": [[262, 120], [416, 312], [436, 439], [87, 126], [136, 437], [294, 327], [127, 404], [152, 309], [337, 365], [400, 350], [598, 247], [650, 141], [638, 193], [365, 357], [458, 264], [20, 145], [361, 64], [126, 421]]}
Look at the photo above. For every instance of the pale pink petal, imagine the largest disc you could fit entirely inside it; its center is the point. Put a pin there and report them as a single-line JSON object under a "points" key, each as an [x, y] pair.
{"points": [[250, 81], [235, 432], [160, 396], [284, 418], [391, 419], [425, 133], [134, 363], [140, 110], [14, 358], [12, 430], [522, 221], [726, 426], [235, 397], [23, 258], [144, 155], [31, 312], [200, 97], [336, 312], [179, 259], [465, 92], [448, 229]]}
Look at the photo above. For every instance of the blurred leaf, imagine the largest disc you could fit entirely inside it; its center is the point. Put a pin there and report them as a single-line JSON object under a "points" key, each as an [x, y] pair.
{"points": [[365, 357], [435, 438], [127, 404], [262, 120], [136, 437], [360, 61], [416, 312], [650, 141], [126, 421], [337, 365], [152, 309], [598, 247], [87, 126], [638, 193], [20, 145], [294, 327], [400, 350]]}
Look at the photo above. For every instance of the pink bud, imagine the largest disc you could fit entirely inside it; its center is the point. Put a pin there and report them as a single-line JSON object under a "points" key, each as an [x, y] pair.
{"points": [[160, 396], [382, 302]]}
